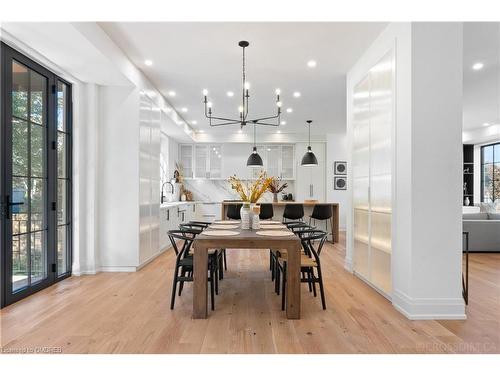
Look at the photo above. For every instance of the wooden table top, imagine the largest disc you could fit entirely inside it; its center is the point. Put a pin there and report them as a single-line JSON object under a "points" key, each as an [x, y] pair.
{"points": [[282, 203], [246, 239]]}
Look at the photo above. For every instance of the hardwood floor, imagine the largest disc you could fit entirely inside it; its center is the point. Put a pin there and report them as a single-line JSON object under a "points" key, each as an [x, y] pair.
{"points": [[129, 313]]}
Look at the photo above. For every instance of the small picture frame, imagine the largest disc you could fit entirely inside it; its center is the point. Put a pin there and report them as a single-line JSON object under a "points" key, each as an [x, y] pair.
{"points": [[339, 183], [340, 168]]}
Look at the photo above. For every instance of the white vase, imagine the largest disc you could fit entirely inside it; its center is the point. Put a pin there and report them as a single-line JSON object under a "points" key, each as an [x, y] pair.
{"points": [[466, 201], [245, 216]]}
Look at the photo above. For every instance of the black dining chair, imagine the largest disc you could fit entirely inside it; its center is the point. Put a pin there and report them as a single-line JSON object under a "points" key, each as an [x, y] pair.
{"points": [[274, 254], [182, 241], [293, 212], [221, 253], [233, 211], [322, 212], [266, 211], [312, 242]]}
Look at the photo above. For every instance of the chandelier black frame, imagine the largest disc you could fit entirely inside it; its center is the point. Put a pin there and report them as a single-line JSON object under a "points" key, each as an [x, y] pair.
{"points": [[243, 120]]}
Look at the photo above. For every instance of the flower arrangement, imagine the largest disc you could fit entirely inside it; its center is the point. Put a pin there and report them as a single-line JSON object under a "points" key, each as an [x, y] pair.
{"points": [[251, 193], [275, 187]]}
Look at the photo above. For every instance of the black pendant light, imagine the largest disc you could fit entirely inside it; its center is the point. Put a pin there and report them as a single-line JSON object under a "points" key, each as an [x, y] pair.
{"points": [[254, 160], [309, 159]]}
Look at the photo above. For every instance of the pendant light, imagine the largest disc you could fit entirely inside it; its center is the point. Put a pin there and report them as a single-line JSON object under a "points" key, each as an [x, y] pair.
{"points": [[254, 160], [309, 159]]}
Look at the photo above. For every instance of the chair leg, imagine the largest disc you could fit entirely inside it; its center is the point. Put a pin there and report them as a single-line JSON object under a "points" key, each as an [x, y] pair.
{"points": [[216, 278], [174, 286], [311, 276], [212, 294], [225, 260], [277, 278], [308, 281], [181, 284], [283, 290], [270, 261], [220, 266], [322, 292]]}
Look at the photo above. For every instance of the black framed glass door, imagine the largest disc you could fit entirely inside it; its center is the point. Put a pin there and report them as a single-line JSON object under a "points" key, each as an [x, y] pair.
{"points": [[35, 177]]}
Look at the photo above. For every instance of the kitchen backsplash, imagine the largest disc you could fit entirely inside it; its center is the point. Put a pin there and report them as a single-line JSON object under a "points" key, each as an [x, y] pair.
{"points": [[219, 190]]}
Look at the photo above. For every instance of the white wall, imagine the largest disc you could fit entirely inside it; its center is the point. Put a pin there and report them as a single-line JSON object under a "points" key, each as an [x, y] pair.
{"points": [[426, 246], [336, 150]]}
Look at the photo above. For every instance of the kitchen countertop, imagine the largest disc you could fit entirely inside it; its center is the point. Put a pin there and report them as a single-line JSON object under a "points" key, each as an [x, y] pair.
{"points": [[283, 203], [181, 203]]}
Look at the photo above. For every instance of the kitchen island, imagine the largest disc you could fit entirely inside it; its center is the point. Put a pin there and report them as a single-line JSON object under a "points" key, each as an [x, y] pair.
{"points": [[278, 208]]}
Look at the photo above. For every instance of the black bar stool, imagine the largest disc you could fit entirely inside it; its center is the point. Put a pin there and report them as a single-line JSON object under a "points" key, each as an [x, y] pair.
{"points": [[266, 211], [293, 212], [233, 211], [322, 212]]}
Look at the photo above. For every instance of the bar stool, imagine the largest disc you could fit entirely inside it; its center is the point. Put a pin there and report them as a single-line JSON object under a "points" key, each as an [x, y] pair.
{"points": [[293, 212], [233, 211], [266, 211], [322, 212]]}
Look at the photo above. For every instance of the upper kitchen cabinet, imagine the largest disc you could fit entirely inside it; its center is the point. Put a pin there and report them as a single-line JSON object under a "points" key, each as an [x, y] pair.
{"points": [[201, 160], [186, 158], [215, 161]]}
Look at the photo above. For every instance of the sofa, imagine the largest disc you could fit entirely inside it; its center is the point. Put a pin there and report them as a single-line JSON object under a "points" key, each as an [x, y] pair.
{"points": [[484, 231]]}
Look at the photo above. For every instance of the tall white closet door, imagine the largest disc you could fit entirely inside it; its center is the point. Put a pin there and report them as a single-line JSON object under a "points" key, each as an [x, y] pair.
{"points": [[145, 199], [381, 124], [372, 124], [155, 147], [360, 176]]}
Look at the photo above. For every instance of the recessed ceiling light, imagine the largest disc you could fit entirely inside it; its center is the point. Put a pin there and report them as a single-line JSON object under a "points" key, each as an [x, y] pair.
{"points": [[230, 94], [219, 156], [296, 94], [283, 122], [486, 124], [194, 122], [240, 131], [279, 132], [311, 64], [148, 62], [478, 66], [289, 110], [171, 93], [184, 109], [268, 149]]}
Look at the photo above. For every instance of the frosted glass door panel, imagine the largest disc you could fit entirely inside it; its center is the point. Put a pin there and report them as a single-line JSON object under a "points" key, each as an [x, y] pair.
{"points": [[381, 124], [360, 170], [372, 124]]}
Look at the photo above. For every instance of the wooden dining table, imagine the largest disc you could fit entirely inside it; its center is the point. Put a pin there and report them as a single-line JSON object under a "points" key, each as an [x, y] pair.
{"points": [[246, 239]]}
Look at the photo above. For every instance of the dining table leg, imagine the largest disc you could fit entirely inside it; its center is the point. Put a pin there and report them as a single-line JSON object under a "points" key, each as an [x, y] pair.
{"points": [[200, 271], [293, 283]]}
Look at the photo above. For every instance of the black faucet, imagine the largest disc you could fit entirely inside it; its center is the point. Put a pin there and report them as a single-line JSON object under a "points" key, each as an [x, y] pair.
{"points": [[162, 196]]}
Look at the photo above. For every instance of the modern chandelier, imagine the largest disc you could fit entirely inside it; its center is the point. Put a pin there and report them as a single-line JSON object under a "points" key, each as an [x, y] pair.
{"points": [[243, 109]]}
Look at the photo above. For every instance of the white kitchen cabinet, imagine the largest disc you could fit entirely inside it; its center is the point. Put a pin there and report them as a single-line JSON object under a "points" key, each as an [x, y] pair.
{"points": [[208, 211], [287, 162], [215, 161], [310, 181], [186, 159], [201, 161]]}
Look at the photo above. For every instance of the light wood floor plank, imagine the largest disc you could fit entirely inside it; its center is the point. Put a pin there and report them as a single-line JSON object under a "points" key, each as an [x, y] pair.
{"points": [[129, 313]]}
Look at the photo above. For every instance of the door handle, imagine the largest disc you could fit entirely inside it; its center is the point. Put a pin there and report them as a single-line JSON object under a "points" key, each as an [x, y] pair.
{"points": [[8, 204]]}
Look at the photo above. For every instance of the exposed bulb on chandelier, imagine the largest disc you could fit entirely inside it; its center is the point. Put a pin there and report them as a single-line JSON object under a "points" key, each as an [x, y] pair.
{"points": [[205, 92], [247, 85]]}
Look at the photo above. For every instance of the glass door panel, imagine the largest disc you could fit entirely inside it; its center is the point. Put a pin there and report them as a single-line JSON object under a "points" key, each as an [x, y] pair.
{"points": [[29, 179], [35, 165]]}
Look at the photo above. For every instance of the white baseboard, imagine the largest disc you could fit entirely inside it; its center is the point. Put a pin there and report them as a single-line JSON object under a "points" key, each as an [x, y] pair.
{"points": [[82, 273], [348, 264], [118, 269], [429, 308], [151, 258]]}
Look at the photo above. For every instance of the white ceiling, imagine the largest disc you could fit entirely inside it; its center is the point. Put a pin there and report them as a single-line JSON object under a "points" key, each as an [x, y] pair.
{"points": [[188, 57], [481, 98]]}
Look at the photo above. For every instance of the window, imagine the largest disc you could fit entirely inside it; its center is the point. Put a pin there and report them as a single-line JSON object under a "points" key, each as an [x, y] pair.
{"points": [[490, 173]]}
